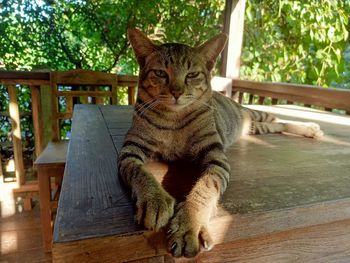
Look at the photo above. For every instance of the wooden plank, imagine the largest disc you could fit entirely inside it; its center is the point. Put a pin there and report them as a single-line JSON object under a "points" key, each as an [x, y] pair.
{"points": [[233, 26], [92, 93], [92, 199], [240, 97], [114, 99], [55, 122], [46, 113], [21, 114], [261, 100], [84, 77], [274, 101], [25, 75], [37, 124], [1, 173], [126, 80], [298, 184], [251, 99], [69, 105], [28, 82], [16, 134], [117, 248], [321, 243], [131, 95], [42, 78], [326, 97], [27, 188], [54, 153]]}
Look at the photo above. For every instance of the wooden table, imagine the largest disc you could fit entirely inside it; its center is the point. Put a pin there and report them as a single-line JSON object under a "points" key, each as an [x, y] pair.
{"points": [[279, 183]]}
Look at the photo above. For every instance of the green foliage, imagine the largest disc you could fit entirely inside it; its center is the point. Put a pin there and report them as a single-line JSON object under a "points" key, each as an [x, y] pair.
{"points": [[295, 41], [66, 34]]}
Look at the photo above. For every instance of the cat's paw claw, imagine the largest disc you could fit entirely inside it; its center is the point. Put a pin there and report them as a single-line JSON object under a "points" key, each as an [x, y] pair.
{"points": [[186, 236]]}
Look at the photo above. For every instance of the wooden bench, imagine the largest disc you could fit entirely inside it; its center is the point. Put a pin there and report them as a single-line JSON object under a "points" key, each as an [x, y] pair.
{"points": [[50, 168], [51, 162], [282, 187], [27, 192]]}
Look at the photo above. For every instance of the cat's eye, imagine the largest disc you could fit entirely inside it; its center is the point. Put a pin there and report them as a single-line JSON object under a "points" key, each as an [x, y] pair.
{"points": [[192, 75], [160, 73]]}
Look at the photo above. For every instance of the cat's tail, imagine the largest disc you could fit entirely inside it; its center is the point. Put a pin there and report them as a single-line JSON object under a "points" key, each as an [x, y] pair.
{"points": [[259, 122]]}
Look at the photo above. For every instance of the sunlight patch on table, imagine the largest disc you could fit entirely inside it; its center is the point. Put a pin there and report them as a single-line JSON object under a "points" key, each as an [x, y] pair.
{"points": [[304, 113]]}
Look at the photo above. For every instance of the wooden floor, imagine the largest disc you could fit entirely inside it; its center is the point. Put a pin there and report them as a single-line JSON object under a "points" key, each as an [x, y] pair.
{"points": [[20, 232]]}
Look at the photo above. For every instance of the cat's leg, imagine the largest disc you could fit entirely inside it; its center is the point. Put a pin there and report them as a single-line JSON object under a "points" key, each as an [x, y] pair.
{"points": [[307, 129], [154, 206], [188, 229], [259, 122]]}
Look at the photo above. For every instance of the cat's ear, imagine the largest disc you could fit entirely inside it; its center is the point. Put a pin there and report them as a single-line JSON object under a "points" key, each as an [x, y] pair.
{"points": [[141, 45], [212, 48]]}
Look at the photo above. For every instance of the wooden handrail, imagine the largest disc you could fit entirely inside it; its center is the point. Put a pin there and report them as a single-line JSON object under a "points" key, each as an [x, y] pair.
{"points": [[312, 95]]}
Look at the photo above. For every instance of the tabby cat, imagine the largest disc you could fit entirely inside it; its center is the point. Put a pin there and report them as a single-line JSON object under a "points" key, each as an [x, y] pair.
{"points": [[177, 115]]}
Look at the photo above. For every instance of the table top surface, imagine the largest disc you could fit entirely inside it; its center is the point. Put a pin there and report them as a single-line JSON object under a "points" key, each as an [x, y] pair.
{"points": [[269, 172]]}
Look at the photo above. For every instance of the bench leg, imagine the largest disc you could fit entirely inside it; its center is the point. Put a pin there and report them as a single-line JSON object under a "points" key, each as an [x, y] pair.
{"points": [[45, 210], [27, 203]]}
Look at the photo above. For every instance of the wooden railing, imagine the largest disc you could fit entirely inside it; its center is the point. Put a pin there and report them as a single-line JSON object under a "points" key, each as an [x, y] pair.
{"points": [[327, 98], [39, 84]]}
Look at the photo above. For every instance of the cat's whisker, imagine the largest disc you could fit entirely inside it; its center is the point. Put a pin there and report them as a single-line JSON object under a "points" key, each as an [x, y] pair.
{"points": [[144, 105], [150, 106]]}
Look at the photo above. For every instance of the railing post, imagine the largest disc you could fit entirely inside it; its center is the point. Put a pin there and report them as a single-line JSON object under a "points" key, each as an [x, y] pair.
{"points": [[16, 135], [233, 26], [131, 95], [36, 115]]}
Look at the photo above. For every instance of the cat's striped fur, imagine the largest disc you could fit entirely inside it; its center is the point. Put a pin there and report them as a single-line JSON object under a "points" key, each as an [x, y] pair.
{"points": [[178, 116]]}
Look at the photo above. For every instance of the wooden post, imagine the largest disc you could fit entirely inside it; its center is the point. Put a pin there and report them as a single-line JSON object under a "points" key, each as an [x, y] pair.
{"points": [[46, 114], [1, 172], [131, 95], [37, 124], [233, 26], [16, 134], [115, 98]]}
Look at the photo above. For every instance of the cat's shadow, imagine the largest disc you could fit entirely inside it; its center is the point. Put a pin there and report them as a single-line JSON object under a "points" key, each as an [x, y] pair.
{"points": [[177, 177]]}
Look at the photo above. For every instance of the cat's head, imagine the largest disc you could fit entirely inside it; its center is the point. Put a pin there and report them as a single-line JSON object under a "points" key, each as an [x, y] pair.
{"points": [[173, 75]]}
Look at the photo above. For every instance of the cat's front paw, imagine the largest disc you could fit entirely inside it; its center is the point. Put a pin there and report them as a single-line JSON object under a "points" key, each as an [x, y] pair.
{"points": [[154, 209], [188, 232]]}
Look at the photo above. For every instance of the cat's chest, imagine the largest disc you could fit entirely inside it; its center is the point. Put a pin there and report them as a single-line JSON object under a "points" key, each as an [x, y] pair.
{"points": [[173, 144]]}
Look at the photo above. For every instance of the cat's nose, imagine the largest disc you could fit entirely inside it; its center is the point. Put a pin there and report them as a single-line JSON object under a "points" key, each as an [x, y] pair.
{"points": [[176, 93]]}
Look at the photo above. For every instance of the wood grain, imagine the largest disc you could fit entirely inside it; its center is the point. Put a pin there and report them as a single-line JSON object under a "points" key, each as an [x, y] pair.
{"points": [[313, 95], [37, 122], [21, 238], [92, 202], [54, 153], [320, 243], [293, 184], [16, 134], [234, 28]]}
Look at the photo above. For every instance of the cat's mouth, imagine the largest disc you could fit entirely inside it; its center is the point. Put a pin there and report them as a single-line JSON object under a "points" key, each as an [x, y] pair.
{"points": [[175, 103]]}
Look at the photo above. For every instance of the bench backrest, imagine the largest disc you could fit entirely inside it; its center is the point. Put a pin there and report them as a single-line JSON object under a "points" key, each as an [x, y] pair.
{"points": [[87, 87]]}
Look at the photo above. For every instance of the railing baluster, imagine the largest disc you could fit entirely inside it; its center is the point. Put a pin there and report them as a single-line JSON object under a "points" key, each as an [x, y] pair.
{"points": [[16, 134], [261, 100], [37, 124], [131, 95], [240, 97]]}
